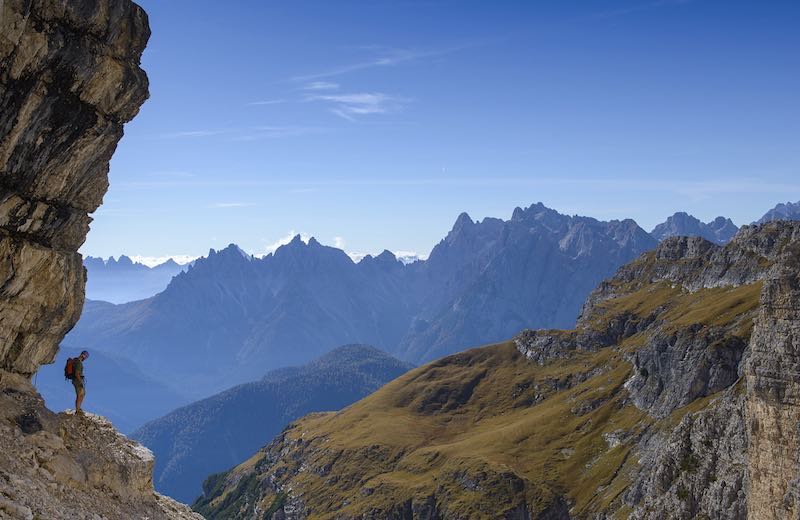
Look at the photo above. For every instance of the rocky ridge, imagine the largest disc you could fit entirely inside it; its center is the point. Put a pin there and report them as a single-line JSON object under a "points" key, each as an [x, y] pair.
{"points": [[69, 80], [675, 396]]}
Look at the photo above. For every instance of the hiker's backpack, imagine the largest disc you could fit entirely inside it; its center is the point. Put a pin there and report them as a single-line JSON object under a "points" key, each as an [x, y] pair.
{"points": [[69, 369]]}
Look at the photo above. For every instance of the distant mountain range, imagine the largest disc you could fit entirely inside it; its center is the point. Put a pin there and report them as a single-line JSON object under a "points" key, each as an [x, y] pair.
{"points": [[123, 280], [719, 231], [219, 432], [230, 317], [783, 211]]}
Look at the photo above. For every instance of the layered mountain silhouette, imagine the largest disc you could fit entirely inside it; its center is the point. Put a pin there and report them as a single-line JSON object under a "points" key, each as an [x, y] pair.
{"points": [[123, 280], [231, 317], [223, 430], [719, 231]]}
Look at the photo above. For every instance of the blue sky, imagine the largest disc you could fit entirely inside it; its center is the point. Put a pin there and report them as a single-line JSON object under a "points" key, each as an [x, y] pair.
{"points": [[373, 124]]}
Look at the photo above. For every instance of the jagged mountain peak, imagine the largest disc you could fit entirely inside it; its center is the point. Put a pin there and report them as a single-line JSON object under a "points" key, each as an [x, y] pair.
{"points": [[720, 230], [782, 211], [464, 221], [230, 250]]}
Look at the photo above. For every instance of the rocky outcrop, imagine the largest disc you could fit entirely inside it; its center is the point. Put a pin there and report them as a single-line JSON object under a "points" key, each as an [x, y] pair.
{"points": [[697, 470], [68, 466], [69, 80]]}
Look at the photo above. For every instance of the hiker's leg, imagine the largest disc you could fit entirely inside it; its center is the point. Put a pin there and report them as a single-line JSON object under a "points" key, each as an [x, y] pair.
{"points": [[79, 399]]}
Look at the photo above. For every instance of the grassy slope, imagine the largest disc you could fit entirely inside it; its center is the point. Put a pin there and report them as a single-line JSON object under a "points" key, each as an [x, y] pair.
{"points": [[485, 430]]}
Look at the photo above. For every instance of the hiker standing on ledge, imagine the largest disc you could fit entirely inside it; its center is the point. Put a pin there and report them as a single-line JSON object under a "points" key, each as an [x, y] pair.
{"points": [[78, 380]]}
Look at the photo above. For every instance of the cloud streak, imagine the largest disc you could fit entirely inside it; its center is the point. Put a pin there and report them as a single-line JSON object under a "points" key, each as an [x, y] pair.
{"points": [[266, 102], [228, 205], [385, 58], [321, 85], [276, 132], [191, 133], [350, 106], [644, 7]]}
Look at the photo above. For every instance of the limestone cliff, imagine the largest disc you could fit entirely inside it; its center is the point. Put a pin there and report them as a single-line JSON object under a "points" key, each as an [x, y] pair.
{"points": [[69, 80], [676, 396]]}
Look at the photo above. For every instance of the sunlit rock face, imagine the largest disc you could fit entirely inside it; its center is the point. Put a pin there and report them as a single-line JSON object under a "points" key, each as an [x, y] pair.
{"points": [[69, 80]]}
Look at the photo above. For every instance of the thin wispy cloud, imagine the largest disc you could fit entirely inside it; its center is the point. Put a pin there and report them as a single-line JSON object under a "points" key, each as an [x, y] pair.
{"points": [[266, 102], [320, 85], [275, 132], [244, 134], [228, 205], [385, 58], [191, 133], [171, 174], [644, 6], [350, 106]]}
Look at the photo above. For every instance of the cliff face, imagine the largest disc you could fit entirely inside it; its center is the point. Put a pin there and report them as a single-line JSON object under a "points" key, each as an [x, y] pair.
{"points": [[676, 396], [69, 80], [772, 405]]}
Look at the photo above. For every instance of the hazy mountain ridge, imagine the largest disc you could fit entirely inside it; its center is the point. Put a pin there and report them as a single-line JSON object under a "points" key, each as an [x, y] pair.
{"points": [[230, 317], [673, 397], [123, 280], [719, 231], [223, 430], [783, 211]]}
